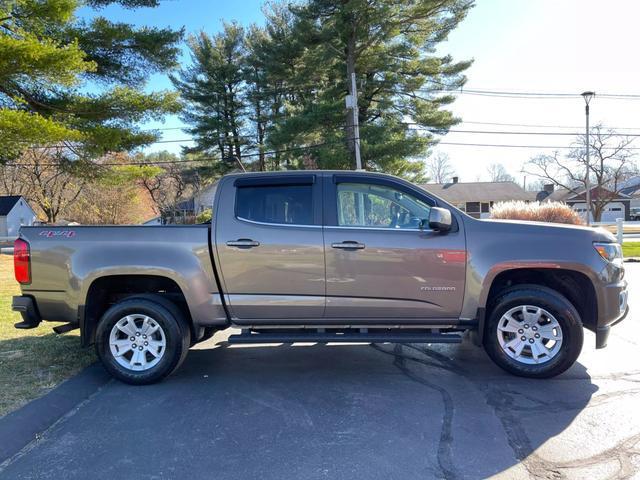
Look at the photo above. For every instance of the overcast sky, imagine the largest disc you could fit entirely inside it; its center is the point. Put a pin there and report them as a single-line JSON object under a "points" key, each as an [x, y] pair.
{"points": [[545, 46]]}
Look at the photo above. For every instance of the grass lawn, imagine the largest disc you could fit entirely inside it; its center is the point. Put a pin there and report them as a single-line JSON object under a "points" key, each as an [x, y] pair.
{"points": [[631, 249], [32, 362]]}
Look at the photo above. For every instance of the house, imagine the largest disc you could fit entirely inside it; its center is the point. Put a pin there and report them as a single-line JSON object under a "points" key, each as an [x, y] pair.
{"points": [[182, 213], [476, 198], [631, 187], [15, 212], [155, 221], [618, 207], [204, 198]]}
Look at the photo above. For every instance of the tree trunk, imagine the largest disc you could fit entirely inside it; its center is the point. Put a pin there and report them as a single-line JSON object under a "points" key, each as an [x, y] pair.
{"points": [[597, 211]]}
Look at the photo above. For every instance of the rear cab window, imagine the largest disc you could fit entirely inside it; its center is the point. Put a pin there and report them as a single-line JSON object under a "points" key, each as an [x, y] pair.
{"points": [[293, 200], [283, 204]]}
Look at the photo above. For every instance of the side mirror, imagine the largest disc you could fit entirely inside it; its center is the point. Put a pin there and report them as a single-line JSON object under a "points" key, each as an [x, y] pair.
{"points": [[440, 219]]}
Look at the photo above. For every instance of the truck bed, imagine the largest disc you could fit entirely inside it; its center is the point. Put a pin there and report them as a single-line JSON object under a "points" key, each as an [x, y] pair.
{"points": [[68, 262]]}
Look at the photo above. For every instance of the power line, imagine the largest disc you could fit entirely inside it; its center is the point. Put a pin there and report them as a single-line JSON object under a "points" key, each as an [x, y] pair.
{"points": [[200, 159], [307, 147], [516, 94], [417, 129], [527, 125], [518, 146], [314, 88], [485, 132], [444, 132]]}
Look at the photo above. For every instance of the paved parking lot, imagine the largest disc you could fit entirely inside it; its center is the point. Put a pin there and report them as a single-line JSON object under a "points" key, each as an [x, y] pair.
{"points": [[356, 412]]}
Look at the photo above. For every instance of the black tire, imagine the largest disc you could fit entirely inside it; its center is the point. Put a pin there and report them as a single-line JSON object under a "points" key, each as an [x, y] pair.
{"points": [[176, 331], [554, 303]]}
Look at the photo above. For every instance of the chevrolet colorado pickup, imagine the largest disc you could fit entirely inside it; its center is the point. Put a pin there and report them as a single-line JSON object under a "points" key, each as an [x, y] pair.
{"points": [[324, 256]]}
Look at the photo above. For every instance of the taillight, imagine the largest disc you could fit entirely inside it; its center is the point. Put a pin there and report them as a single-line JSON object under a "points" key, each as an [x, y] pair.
{"points": [[22, 261]]}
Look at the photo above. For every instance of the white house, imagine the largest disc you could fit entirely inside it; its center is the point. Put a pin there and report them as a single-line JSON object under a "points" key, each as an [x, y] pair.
{"points": [[14, 213], [618, 206], [204, 198], [155, 221]]}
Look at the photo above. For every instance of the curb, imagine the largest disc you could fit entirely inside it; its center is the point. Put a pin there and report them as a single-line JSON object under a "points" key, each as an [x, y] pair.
{"points": [[21, 427]]}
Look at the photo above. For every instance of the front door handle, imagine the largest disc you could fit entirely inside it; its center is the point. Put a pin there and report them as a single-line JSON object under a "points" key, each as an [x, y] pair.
{"points": [[243, 243], [348, 245]]}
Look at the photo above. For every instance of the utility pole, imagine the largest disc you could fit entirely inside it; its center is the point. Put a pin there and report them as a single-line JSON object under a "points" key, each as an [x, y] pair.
{"points": [[587, 98], [234, 159], [352, 103]]}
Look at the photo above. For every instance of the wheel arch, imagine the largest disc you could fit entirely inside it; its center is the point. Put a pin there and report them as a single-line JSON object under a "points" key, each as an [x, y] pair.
{"points": [[572, 283], [107, 290]]}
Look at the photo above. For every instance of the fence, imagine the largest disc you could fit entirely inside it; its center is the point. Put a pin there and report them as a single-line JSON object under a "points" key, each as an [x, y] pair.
{"points": [[620, 227]]}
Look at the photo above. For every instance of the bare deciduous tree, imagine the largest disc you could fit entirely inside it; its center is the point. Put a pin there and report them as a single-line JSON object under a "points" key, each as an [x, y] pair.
{"points": [[48, 177], [610, 164], [497, 173], [172, 184], [439, 168]]}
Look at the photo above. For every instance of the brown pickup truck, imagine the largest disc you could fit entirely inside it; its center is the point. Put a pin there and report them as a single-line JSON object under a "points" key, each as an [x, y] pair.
{"points": [[324, 256]]}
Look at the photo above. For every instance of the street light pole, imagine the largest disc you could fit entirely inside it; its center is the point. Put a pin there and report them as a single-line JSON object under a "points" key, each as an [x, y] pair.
{"points": [[587, 98]]}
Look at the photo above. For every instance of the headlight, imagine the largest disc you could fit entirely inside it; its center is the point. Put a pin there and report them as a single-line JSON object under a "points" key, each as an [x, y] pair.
{"points": [[609, 251]]}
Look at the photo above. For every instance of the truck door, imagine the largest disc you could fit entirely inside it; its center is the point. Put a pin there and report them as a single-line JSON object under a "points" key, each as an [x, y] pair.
{"points": [[268, 237], [380, 263]]}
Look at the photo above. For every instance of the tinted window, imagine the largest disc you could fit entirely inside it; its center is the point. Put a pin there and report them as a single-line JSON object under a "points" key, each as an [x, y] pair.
{"points": [[286, 204], [378, 206], [473, 207]]}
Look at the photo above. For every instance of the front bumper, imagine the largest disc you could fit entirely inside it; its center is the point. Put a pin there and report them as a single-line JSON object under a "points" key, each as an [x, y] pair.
{"points": [[614, 310], [28, 310]]}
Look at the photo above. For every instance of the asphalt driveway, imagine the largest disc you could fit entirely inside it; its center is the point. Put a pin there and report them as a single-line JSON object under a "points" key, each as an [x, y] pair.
{"points": [[382, 411]]}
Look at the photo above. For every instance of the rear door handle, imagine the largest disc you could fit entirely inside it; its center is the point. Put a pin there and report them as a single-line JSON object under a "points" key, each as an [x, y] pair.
{"points": [[348, 245], [243, 243]]}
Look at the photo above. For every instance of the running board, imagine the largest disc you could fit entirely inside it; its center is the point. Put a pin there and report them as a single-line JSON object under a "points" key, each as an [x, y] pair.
{"points": [[67, 327], [345, 337]]}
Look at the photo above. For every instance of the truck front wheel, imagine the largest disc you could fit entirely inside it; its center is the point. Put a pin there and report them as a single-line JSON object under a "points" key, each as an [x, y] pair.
{"points": [[142, 340], [533, 331]]}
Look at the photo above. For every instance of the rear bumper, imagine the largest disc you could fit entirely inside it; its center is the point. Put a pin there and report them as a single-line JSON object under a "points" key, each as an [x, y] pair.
{"points": [[28, 310]]}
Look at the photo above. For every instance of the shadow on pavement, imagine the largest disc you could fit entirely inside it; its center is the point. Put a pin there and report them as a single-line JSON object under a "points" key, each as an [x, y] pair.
{"points": [[380, 411]]}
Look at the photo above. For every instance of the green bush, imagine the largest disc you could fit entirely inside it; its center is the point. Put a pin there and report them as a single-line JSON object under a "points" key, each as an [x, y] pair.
{"points": [[204, 216]]}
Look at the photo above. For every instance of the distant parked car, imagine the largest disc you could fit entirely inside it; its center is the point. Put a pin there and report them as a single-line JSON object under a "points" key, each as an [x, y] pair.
{"points": [[634, 214]]}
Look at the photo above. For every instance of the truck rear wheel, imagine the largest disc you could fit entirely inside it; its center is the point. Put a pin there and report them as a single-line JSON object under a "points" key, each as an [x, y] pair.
{"points": [[533, 331], [142, 340]]}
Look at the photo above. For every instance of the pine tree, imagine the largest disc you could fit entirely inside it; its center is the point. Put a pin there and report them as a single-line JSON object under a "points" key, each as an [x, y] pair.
{"points": [[390, 46], [284, 85], [79, 83], [212, 91]]}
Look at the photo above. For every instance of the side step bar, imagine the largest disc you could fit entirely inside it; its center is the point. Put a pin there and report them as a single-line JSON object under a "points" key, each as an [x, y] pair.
{"points": [[67, 327], [345, 337]]}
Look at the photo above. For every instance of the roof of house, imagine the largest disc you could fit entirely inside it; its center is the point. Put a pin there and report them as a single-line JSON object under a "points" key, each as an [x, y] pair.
{"points": [[462, 192], [559, 194], [7, 203], [631, 186], [186, 205]]}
